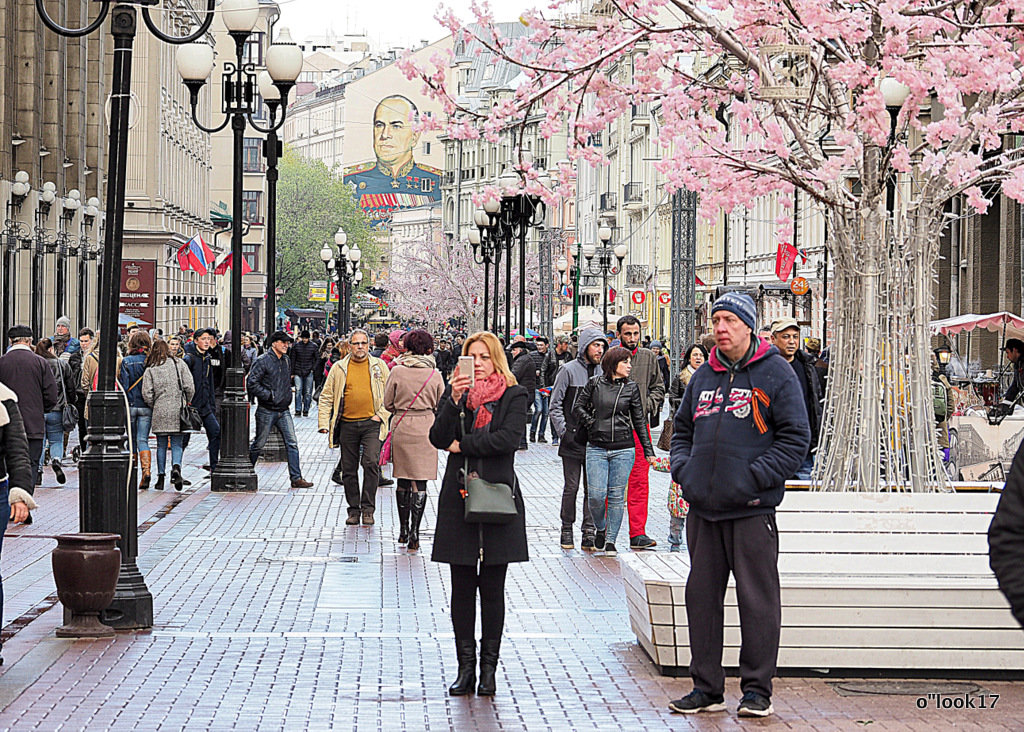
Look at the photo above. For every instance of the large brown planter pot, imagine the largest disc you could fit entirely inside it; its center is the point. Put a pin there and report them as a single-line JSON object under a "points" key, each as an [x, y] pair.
{"points": [[85, 569]]}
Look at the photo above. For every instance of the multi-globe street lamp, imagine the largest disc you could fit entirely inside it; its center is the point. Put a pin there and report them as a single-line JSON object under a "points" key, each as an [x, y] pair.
{"points": [[487, 251], [604, 265], [344, 275], [504, 223], [105, 504], [195, 61]]}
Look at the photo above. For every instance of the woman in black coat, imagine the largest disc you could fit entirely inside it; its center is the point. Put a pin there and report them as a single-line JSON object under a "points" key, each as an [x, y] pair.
{"points": [[493, 415]]}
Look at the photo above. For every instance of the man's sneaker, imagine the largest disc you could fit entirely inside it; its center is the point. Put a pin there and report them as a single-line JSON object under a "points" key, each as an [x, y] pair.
{"points": [[643, 541], [599, 541], [58, 472], [336, 476], [609, 549], [554, 442], [301, 483], [698, 701], [587, 544], [352, 520], [566, 539], [754, 705], [367, 518], [533, 438], [543, 439]]}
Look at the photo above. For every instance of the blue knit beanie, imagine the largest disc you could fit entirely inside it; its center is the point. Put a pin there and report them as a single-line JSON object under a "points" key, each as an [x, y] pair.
{"points": [[739, 304]]}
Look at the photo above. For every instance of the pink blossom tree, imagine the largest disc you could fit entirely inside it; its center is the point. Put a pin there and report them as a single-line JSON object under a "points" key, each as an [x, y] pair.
{"points": [[880, 111]]}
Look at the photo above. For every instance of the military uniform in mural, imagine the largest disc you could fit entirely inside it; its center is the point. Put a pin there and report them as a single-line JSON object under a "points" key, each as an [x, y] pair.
{"points": [[380, 190]]}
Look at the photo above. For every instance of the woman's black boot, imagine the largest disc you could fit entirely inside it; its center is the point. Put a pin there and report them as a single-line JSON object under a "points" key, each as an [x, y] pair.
{"points": [[488, 666], [466, 653], [419, 502], [402, 500], [159, 485]]}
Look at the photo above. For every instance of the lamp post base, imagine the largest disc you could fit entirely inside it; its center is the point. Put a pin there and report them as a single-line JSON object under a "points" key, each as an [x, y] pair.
{"points": [[234, 470]]}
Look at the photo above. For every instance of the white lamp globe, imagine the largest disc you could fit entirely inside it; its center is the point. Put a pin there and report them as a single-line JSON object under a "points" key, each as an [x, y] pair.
{"points": [[354, 254], [604, 233], [340, 238], [589, 250], [492, 205], [326, 255], [284, 58], [474, 237], [359, 276], [480, 217], [893, 92], [21, 176], [268, 91], [93, 201], [620, 251], [194, 61], [240, 16], [562, 264]]}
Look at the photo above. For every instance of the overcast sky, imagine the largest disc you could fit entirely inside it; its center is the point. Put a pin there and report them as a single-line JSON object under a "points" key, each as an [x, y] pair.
{"points": [[387, 22]]}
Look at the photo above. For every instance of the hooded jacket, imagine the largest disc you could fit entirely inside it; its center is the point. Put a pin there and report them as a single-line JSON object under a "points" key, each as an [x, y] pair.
{"points": [[569, 382], [739, 434]]}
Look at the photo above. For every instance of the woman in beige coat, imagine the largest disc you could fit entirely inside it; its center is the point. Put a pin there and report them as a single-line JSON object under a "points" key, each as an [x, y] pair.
{"points": [[413, 458]]}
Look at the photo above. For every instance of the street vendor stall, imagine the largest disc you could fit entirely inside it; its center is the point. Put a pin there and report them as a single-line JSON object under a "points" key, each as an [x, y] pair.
{"points": [[983, 434]]}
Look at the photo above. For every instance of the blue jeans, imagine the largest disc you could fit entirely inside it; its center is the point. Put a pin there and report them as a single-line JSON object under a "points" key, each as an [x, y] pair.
{"points": [[55, 436], [607, 475], [540, 413], [177, 442], [142, 418], [804, 471], [212, 427], [265, 421], [303, 392]]}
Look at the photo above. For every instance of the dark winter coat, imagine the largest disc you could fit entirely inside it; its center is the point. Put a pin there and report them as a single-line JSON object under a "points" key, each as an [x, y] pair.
{"points": [[270, 381], [491, 451], [538, 366], [446, 360], [812, 394], [525, 371], [549, 368], [203, 377], [1006, 538], [646, 375], [28, 375], [303, 357], [611, 411], [569, 383], [14, 460], [64, 375], [739, 434]]}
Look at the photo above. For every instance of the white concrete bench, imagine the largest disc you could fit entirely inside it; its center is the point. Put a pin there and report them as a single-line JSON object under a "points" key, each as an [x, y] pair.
{"points": [[870, 581]]}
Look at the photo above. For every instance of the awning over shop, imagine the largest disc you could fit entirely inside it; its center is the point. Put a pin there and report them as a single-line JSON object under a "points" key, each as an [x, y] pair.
{"points": [[1003, 322]]}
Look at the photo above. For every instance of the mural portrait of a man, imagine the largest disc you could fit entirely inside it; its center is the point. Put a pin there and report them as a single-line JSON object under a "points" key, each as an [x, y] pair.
{"points": [[394, 180]]}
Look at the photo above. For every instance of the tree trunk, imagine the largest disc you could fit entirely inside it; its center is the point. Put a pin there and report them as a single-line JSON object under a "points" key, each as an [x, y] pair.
{"points": [[878, 428]]}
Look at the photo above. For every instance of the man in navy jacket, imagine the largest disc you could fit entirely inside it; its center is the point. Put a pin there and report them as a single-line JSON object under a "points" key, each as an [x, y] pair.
{"points": [[199, 359], [740, 432]]}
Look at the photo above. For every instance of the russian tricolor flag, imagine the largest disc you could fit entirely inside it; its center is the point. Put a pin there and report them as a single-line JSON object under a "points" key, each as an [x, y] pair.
{"points": [[196, 255]]}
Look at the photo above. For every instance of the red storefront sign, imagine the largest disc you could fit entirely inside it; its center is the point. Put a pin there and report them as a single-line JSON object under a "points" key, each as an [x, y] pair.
{"points": [[638, 297], [664, 298], [137, 300]]}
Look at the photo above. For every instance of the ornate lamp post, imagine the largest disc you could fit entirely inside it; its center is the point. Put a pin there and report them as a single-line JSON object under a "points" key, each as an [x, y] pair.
{"points": [[327, 257], [87, 252], [272, 151], [345, 273], [66, 246], [195, 63], [14, 233], [487, 246], [604, 265], [43, 244], [105, 506]]}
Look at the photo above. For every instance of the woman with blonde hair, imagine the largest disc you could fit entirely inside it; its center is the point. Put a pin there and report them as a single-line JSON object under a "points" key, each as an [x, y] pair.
{"points": [[480, 422]]}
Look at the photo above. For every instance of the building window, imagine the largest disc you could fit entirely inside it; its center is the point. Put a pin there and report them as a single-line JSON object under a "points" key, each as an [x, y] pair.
{"points": [[253, 53], [250, 252], [252, 155], [251, 209]]}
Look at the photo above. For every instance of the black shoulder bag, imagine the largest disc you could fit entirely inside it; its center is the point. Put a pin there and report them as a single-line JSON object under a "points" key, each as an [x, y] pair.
{"points": [[190, 419], [486, 502]]}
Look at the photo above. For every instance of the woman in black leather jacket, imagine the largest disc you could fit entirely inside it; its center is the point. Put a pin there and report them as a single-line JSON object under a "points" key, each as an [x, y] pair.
{"points": [[611, 409]]}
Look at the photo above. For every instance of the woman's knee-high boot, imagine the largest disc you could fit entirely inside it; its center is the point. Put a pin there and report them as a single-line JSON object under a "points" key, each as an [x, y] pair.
{"points": [[402, 499], [419, 502], [466, 652]]}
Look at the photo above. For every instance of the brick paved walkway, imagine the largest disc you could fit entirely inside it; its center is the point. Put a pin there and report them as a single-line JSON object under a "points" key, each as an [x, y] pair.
{"points": [[271, 614]]}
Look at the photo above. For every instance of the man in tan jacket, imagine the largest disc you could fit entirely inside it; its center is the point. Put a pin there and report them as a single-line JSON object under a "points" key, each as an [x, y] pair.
{"points": [[351, 412]]}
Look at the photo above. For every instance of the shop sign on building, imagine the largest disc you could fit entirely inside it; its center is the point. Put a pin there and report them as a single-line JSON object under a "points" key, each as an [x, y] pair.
{"points": [[138, 291]]}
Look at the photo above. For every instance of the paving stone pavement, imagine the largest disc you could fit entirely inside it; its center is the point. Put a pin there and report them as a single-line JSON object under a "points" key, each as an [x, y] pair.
{"points": [[271, 614]]}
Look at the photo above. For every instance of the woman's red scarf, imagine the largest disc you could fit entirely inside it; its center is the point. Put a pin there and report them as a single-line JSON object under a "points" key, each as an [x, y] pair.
{"points": [[486, 392]]}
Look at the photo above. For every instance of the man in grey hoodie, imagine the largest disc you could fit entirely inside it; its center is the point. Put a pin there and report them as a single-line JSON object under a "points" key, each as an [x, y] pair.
{"points": [[569, 382]]}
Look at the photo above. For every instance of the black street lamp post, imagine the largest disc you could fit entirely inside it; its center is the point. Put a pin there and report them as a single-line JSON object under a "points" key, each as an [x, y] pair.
{"points": [[195, 62], [105, 504], [604, 265], [14, 234], [66, 246], [344, 274], [86, 253], [487, 251], [43, 244], [272, 150]]}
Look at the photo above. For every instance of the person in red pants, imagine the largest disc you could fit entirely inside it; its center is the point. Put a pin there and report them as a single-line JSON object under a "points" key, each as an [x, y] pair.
{"points": [[647, 376]]}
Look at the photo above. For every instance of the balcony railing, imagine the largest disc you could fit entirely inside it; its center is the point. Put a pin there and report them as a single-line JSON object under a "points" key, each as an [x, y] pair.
{"points": [[633, 193], [608, 202]]}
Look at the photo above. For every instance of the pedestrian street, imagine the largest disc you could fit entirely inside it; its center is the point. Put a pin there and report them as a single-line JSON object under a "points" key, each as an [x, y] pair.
{"points": [[270, 614]]}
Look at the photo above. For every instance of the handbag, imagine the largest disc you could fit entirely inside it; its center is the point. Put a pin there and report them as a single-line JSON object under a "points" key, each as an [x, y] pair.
{"points": [[665, 440], [69, 414], [385, 449], [189, 418], [485, 502]]}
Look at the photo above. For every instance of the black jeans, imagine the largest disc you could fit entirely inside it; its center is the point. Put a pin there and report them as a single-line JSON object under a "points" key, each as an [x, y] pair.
{"points": [[35, 453], [490, 581], [749, 547], [572, 469], [352, 436]]}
